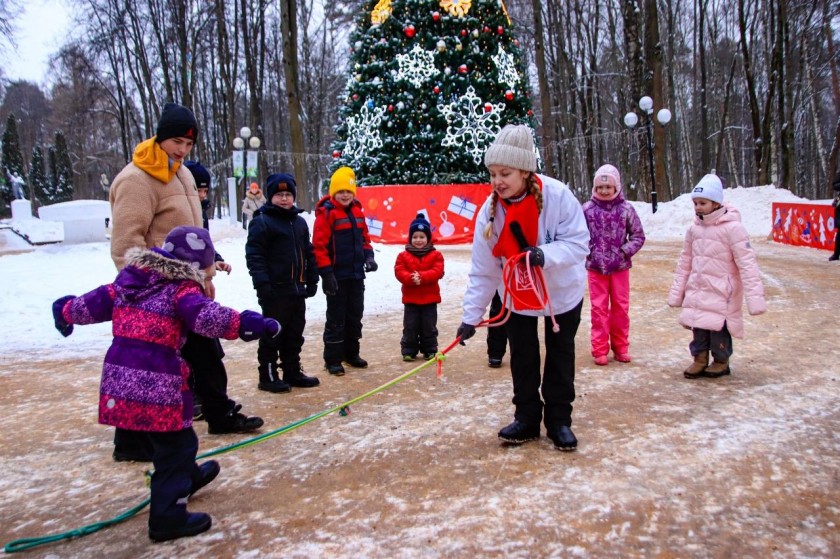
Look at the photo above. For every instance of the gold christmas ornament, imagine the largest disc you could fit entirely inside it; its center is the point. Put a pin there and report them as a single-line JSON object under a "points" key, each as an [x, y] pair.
{"points": [[456, 8], [381, 12]]}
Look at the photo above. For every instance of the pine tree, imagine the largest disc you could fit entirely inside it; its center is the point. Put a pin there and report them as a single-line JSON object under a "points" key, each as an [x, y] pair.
{"points": [[52, 170], [63, 176], [13, 169], [38, 182], [431, 84]]}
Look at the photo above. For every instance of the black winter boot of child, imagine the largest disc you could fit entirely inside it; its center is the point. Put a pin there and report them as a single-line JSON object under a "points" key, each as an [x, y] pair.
{"points": [[270, 381], [203, 475], [298, 378], [357, 362], [233, 422], [195, 523]]}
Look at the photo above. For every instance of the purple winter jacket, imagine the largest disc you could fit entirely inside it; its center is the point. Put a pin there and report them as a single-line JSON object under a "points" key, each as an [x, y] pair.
{"points": [[615, 234], [153, 302]]}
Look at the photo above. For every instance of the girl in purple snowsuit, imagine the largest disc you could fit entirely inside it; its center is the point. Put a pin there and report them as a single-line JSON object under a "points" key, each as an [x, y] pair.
{"points": [[615, 235], [154, 301]]}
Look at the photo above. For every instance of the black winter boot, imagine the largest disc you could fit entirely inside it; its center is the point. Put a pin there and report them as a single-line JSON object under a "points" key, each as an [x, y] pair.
{"points": [[196, 523], [562, 437], [336, 369], [299, 378], [357, 362], [269, 381], [206, 473], [518, 433], [233, 422]]}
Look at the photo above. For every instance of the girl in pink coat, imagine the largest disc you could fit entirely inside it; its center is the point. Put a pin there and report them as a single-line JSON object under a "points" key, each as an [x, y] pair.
{"points": [[716, 270]]}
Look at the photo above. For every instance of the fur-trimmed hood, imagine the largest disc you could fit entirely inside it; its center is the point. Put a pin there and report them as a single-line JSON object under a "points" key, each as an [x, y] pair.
{"points": [[145, 267]]}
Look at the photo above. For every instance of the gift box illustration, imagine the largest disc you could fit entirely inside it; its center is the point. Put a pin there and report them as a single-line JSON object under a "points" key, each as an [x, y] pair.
{"points": [[462, 207], [374, 226]]}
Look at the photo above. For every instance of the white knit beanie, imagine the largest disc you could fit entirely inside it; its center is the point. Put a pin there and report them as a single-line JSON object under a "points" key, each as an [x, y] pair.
{"points": [[514, 148], [709, 188]]}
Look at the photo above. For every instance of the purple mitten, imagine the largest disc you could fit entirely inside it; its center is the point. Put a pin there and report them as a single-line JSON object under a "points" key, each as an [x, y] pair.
{"points": [[251, 325], [272, 327], [64, 327]]}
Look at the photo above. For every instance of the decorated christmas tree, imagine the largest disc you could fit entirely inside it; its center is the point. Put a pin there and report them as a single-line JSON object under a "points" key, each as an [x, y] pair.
{"points": [[431, 84]]}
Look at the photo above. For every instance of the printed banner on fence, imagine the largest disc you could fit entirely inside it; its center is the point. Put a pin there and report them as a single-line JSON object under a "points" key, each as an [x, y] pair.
{"points": [[810, 225], [450, 208]]}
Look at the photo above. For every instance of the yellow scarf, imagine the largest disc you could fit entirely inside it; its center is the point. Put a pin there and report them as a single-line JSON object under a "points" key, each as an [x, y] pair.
{"points": [[149, 157]]}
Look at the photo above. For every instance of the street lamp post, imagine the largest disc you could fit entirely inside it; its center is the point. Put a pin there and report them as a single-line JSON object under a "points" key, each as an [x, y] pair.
{"points": [[631, 120], [245, 164]]}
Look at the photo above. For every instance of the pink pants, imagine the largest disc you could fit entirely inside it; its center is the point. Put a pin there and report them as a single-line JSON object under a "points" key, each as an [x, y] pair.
{"points": [[609, 296]]}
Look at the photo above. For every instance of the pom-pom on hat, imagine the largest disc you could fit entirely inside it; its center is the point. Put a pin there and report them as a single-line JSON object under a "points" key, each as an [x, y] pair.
{"points": [[607, 174], [176, 121], [421, 224], [344, 178], [199, 173], [514, 148], [709, 188], [280, 182], [191, 245]]}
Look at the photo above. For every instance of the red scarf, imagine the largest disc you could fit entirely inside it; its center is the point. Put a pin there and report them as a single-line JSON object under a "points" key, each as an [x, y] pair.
{"points": [[525, 213]]}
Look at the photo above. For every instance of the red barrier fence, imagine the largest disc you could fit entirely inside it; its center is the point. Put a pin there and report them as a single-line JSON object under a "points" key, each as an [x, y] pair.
{"points": [[450, 208], [810, 225]]}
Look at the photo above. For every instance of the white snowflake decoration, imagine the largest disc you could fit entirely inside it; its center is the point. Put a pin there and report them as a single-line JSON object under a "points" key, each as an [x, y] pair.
{"points": [[417, 66], [363, 135], [507, 68], [470, 125]]}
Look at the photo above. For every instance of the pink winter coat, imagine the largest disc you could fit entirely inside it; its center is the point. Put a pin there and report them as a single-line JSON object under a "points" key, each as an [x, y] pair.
{"points": [[716, 269]]}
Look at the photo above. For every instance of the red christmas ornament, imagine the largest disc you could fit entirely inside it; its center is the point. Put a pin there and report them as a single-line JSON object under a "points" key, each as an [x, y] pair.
{"points": [[488, 107], [336, 154], [409, 31], [436, 16], [516, 42], [437, 89], [500, 30], [530, 112], [509, 95], [463, 68], [355, 97], [486, 29], [390, 108], [463, 32]]}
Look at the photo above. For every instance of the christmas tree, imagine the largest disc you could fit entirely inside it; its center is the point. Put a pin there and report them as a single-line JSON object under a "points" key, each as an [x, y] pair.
{"points": [[431, 84]]}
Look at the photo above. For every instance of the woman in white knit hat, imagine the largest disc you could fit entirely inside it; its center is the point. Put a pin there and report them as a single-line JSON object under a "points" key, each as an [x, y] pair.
{"points": [[533, 213]]}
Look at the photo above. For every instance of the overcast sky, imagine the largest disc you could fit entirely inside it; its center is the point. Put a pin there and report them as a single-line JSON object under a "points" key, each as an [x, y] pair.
{"points": [[41, 29]]}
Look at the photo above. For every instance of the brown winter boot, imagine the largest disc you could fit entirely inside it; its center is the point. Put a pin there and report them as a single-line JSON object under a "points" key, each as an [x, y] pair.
{"points": [[716, 369], [701, 360]]}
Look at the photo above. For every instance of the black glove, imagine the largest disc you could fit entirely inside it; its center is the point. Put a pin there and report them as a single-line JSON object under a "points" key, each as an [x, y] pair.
{"points": [[311, 289], [537, 257], [465, 332], [265, 293], [64, 327], [329, 284], [371, 265]]}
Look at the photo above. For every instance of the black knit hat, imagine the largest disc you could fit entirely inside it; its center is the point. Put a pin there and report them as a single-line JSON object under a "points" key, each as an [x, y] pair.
{"points": [[199, 173], [836, 184], [176, 121], [280, 182], [420, 224]]}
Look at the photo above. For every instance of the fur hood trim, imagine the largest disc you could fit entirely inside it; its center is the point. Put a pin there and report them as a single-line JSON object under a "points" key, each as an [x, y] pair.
{"points": [[169, 268]]}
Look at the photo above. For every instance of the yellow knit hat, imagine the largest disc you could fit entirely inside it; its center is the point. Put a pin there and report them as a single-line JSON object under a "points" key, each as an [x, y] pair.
{"points": [[343, 179]]}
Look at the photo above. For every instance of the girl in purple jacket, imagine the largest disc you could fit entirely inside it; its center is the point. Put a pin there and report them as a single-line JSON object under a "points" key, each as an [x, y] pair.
{"points": [[615, 235], [155, 300]]}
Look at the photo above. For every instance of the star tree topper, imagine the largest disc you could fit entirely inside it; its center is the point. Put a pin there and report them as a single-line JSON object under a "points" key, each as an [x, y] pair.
{"points": [[471, 126]]}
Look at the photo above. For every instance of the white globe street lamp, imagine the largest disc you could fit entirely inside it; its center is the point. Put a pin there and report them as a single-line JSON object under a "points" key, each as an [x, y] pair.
{"points": [[245, 162], [631, 119]]}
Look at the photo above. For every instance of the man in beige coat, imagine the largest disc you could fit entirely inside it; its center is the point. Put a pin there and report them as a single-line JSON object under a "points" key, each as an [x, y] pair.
{"points": [[152, 195]]}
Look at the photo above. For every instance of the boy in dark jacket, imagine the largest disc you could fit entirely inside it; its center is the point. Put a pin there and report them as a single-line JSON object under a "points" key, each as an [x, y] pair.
{"points": [[419, 269], [343, 254], [282, 266]]}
